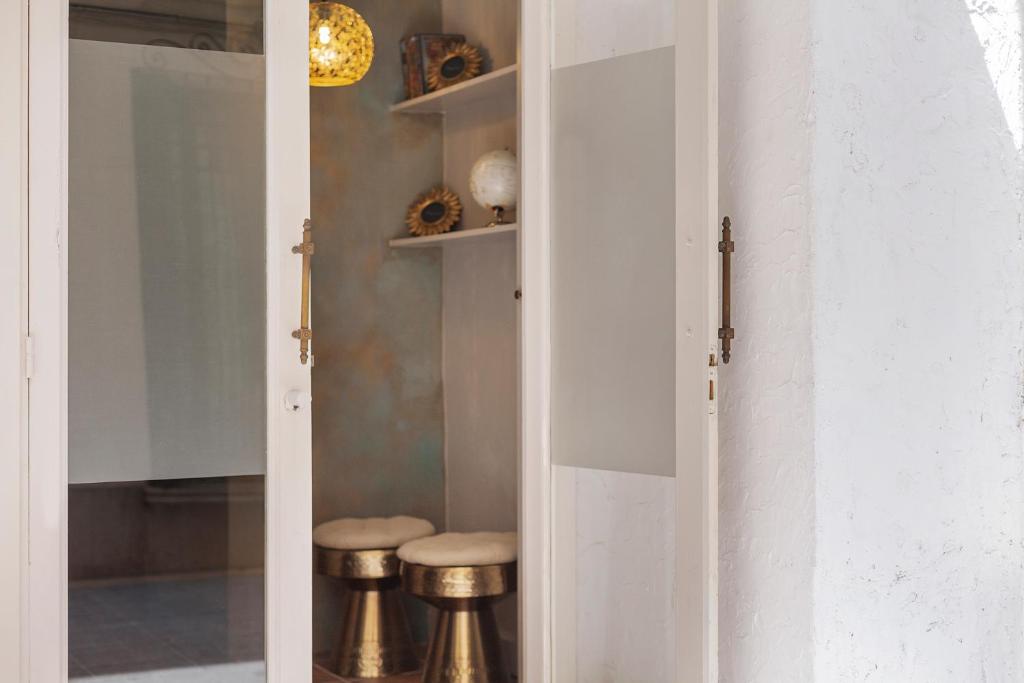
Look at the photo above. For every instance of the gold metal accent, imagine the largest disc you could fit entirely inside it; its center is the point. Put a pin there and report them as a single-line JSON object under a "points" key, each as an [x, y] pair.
{"points": [[465, 646], [444, 72], [726, 247], [434, 212], [458, 582], [357, 564], [340, 45], [307, 248], [375, 639], [499, 216]]}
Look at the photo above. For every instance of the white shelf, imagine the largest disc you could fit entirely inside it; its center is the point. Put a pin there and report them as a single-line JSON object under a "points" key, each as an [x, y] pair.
{"points": [[456, 237], [498, 83]]}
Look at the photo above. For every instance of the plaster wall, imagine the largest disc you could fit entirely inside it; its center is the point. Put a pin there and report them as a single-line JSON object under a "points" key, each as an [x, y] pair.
{"points": [[766, 458], [870, 427], [480, 318], [919, 310]]}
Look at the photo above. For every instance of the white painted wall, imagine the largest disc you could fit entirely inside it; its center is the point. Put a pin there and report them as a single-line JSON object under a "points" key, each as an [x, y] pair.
{"points": [[919, 313], [871, 440], [766, 505]]}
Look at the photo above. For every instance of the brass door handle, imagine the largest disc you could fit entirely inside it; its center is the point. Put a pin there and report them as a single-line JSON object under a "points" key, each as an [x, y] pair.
{"points": [[726, 247], [304, 334]]}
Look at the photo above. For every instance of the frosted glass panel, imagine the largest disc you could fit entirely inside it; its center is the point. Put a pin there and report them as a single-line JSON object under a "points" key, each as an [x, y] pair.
{"points": [[167, 263], [613, 261]]}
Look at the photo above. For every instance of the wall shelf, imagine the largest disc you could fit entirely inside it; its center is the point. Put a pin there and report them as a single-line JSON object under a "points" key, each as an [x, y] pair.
{"points": [[497, 83], [456, 237]]}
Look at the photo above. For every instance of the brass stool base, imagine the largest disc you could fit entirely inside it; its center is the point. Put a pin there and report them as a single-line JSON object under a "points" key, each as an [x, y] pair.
{"points": [[375, 638], [464, 646]]}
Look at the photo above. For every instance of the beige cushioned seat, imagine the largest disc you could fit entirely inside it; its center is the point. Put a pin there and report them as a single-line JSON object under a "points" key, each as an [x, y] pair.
{"points": [[461, 550], [368, 533]]}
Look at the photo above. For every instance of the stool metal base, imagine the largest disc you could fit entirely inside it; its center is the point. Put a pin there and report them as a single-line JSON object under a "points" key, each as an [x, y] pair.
{"points": [[465, 646], [375, 638]]}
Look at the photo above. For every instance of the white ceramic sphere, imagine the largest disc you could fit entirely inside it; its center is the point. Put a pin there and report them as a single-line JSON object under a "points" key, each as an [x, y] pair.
{"points": [[494, 180]]}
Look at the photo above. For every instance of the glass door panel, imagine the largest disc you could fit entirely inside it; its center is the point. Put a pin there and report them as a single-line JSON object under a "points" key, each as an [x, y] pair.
{"points": [[167, 360]]}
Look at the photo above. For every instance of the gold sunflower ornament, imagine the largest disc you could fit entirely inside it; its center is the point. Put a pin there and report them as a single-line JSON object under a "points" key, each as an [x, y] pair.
{"points": [[460, 63], [340, 45], [434, 212]]}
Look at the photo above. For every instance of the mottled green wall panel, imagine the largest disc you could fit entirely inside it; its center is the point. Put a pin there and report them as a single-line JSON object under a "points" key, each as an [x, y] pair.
{"points": [[378, 441]]}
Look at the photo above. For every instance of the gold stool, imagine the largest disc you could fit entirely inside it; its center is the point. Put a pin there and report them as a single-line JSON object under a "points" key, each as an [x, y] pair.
{"points": [[464, 646], [375, 639], [462, 575]]}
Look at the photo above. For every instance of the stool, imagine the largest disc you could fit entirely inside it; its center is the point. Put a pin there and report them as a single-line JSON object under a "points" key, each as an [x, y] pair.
{"points": [[462, 575], [375, 640]]}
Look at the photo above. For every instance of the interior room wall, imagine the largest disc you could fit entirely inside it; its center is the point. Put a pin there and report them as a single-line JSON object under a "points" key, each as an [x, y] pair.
{"points": [[480, 310], [871, 441], [377, 398], [480, 320]]}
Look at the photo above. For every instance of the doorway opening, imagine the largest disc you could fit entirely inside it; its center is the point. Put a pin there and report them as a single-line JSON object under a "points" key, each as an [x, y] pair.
{"points": [[415, 349]]}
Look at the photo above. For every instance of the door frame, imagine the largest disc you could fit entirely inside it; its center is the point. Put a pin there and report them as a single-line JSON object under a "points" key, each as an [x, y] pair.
{"points": [[289, 445], [43, 536], [535, 502], [13, 384]]}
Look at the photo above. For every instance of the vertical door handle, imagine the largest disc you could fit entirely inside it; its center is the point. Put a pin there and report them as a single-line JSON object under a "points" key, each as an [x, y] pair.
{"points": [[304, 334], [726, 247]]}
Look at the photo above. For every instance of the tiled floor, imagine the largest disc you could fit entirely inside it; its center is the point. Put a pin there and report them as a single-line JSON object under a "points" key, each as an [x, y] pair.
{"points": [[163, 626]]}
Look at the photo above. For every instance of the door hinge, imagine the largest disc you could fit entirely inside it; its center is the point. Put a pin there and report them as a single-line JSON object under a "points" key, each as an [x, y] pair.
{"points": [[30, 357]]}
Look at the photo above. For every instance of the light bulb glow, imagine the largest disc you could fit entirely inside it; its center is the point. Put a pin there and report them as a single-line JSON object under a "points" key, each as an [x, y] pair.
{"points": [[340, 45]]}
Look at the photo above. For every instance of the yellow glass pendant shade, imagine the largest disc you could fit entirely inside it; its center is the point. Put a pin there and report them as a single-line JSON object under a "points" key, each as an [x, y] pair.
{"points": [[340, 45]]}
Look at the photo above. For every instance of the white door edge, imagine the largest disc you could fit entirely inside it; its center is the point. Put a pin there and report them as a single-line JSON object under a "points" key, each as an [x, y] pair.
{"points": [[13, 329], [535, 518]]}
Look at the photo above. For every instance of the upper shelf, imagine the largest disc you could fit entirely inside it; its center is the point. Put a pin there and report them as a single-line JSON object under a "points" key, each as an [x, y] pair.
{"points": [[494, 84], [456, 236]]}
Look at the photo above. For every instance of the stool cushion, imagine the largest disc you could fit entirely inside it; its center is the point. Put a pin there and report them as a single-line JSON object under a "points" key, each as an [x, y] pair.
{"points": [[462, 550], [369, 533]]}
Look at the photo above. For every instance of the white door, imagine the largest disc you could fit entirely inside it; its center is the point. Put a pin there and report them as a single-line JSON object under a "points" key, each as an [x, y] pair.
{"points": [[169, 430], [633, 327]]}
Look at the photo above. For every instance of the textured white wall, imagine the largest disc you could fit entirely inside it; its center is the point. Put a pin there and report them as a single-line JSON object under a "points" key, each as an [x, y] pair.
{"points": [[919, 284], [766, 427], [871, 444]]}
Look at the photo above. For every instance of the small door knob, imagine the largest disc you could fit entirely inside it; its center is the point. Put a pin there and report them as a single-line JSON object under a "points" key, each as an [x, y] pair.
{"points": [[296, 400]]}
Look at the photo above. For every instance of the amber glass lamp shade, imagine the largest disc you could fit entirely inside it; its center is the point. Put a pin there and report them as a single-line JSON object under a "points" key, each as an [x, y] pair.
{"points": [[340, 45]]}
